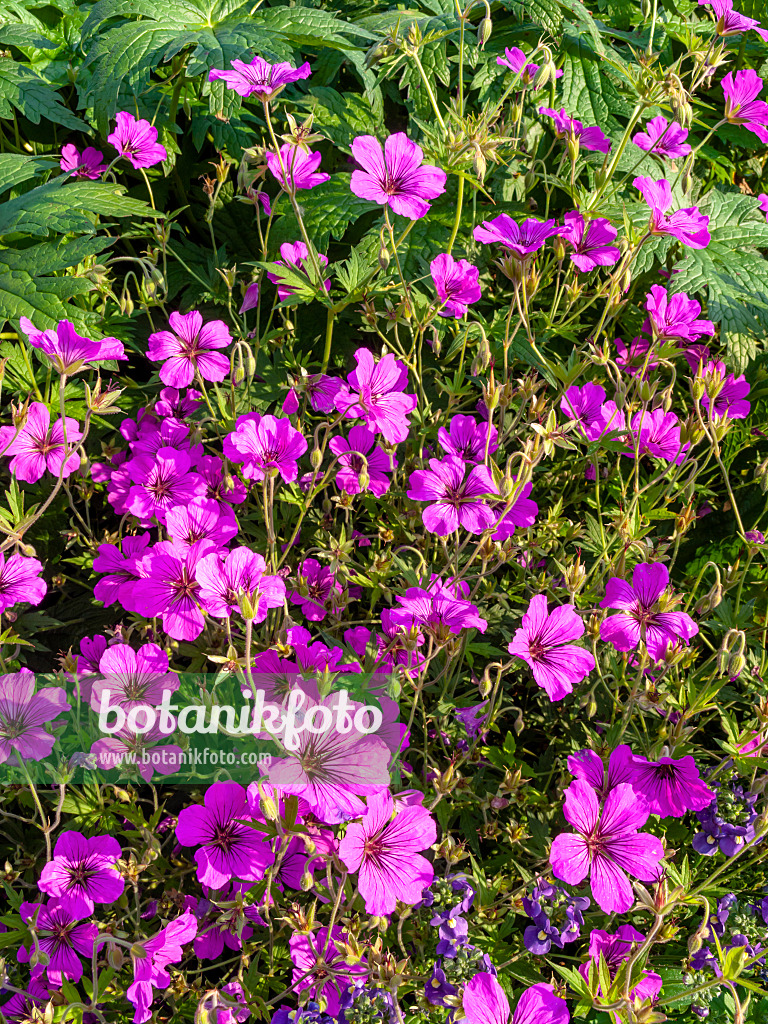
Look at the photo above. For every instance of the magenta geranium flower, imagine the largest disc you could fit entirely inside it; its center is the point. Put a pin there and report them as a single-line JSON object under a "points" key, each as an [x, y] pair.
{"points": [[259, 78], [169, 587], [521, 514], [201, 519], [741, 104], [139, 752], [62, 936], [590, 241], [87, 164], [569, 128], [136, 140], [318, 587], [587, 765], [638, 358], [83, 873], [224, 489], [362, 469], [671, 787], [20, 581], [121, 570], [671, 145], [675, 317], [161, 482], [639, 617], [189, 347], [23, 713], [225, 578], [150, 970], [39, 446], [67, 350], [374, 393], [467, 439], [295, 255], [688, 225], [300, 166], [544, 643], [395, 176], [133, 678], [310, 954], [457, 284], [730, 22], [228, 849], [384, 847], [658, 435], [615, 949], [584, 404], [485, 1002], [607, 844], [266, 445], [438, 612], [520, 239], [516, 61], [458, 501], [731, 399]]}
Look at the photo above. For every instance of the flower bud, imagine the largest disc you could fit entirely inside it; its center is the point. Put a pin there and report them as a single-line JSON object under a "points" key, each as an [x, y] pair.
{"points": [[687, 178], [246, 607], [316, 458], [484, 30], [479, 164], [558, 246], [383, 257], [573, 149], [529, 180]]}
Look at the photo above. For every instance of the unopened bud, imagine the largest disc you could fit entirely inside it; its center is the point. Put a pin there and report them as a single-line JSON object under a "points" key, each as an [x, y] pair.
{"points": [[316, 458], [383, 257], [479, 164], [687, 178], [573, 149], [558, 246], [484, 30]]}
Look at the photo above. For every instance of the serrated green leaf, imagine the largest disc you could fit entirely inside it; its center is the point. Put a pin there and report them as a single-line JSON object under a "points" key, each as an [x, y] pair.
{"points": [[21, 88], [328, 209], [343, 116], [587, 89], [546, 13], [17, 167], [60, 206]]}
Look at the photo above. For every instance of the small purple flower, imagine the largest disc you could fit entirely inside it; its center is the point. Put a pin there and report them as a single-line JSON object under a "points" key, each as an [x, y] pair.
{"points": [[23, 713], [39, 446], [120, 567], [457, 284], [728, 822], [569, 128], [201, 519], [176, 404], [251, 297], [85, 165], [615, 949], [457, 501], [521, 514], [308, 952], [520, 239], [467, 439], [136, 141], [189, 347], [688, 225], [755, 537], [82, 873], [438, 611], [296, 256], [730, 401], [384, 847], [322, 589], [300, 167], [161, 482], [359, 463], [259, 78], [228, 849], [226, 578], [150, 970], [741, 104], [557, 918], [544, 643], [61, 936], [590, 241], [671, 787], [133, 678], [638, 618], [267, 445], [485, 1002], [666, 139], [395, 176], [584, 404], [587, 765], [607, 844], [374, 393], [658, 435], [675, 317], [516, 61], [168, 587], [638, 358], [20, 581], [730, 22]]}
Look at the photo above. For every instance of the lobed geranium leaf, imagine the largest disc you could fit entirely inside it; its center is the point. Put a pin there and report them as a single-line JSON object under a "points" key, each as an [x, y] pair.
{"points": [[17, 167], [59, 207], [24, 90]]}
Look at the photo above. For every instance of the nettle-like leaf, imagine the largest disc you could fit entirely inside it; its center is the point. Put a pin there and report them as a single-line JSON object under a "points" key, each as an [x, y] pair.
{"points": [[60, 207], [29, 288], [23, 90], [732, 272], [587, 89], [343, 116], [126, 40], [17, 167]]}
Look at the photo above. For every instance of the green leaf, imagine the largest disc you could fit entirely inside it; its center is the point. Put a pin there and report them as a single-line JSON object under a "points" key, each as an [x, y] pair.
{"points": [[327, 211], [15, 168], [587, 89], [21, 88], [546, 13], [732, 272], [343, 116], [60, 206], [28, 289]]}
